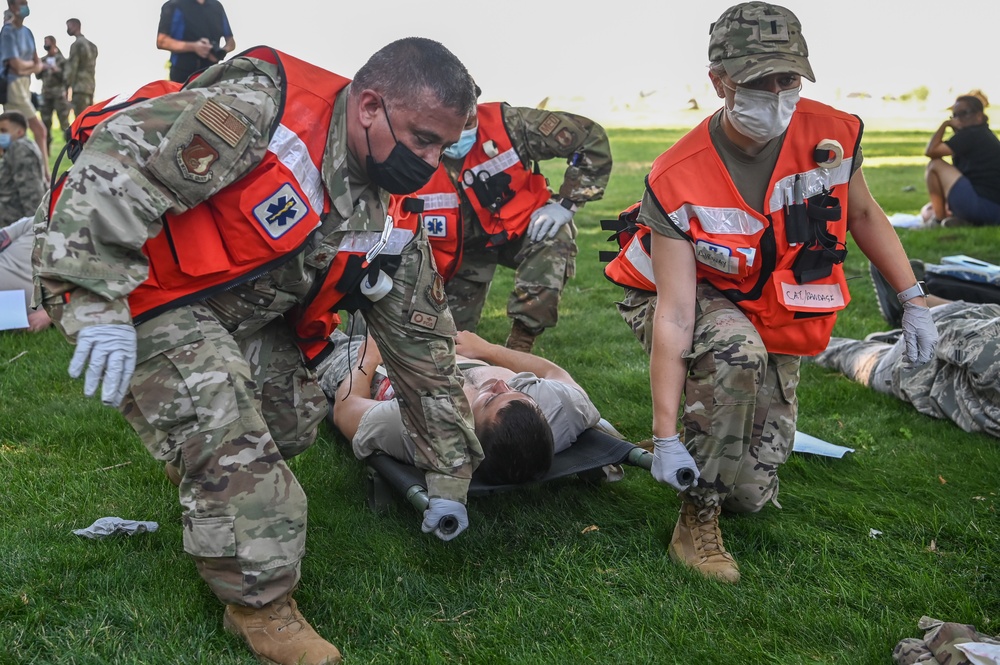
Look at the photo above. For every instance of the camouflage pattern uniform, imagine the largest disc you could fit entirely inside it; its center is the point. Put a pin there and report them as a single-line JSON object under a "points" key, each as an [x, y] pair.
{"points": [[54, 95], [939, 645], [81, 73], [739, 401], [541, 269], [22, 181], [219, 389], [962, 381]]}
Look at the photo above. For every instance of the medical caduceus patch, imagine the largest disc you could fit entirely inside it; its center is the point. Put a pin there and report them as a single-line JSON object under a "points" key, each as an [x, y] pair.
{"points": [[281, 211]]}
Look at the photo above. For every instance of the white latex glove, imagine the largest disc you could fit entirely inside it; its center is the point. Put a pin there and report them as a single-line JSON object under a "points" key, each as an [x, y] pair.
{"points": [[547, 220], [919, 333], [440, 508], [112, 352], [669, 457]]}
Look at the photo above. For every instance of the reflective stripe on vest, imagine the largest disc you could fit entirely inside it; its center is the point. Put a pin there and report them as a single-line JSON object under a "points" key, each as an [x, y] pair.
{"points": [[636, 254], [292, 152]]}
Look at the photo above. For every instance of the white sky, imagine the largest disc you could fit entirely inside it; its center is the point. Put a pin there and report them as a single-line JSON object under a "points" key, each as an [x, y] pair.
{"points": [[588, 56]]}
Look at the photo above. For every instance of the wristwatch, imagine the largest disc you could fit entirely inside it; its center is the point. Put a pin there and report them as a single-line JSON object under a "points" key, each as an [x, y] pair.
{"points": [[915, 291]]}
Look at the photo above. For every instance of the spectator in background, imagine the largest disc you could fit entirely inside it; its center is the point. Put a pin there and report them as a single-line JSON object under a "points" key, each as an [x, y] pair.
{"points": [[81, 68], [16, 242], [193, 30], [22, 171], [53, 88], [967, 191], [20, 61]]}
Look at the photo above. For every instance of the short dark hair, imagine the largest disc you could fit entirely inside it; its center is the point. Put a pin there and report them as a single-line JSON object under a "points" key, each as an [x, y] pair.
{"points": [[49, 37], [407, 66], [974, 103], [517, 446], [15, 117], [74, 21]]}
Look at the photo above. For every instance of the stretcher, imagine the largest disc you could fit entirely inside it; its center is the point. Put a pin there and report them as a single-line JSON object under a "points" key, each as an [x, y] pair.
{"points": [[594, 450]]}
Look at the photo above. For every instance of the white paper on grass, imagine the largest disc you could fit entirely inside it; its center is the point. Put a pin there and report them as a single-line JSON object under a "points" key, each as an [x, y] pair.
{"points": [[980, 653], [805, 443], [13, 314]]}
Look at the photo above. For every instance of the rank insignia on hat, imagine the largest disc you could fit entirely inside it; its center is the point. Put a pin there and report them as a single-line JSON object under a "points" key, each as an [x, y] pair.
{"points": [[282, 210], [565, 137], [196, 158], [436, 296], [773, 29], [436, 225], [424, 320], [222, 122], [549, 124]]}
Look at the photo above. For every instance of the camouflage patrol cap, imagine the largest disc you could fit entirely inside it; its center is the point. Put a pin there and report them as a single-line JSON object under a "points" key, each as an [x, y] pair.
{"points": [[755, 39]]}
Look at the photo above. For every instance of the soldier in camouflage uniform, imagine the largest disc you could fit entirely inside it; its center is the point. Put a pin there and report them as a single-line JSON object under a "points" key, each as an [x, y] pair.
{"points": [[81, 68], [709, 238], [53, 88], [220, 393], [22, 170], [961, 383], [543, 255]]}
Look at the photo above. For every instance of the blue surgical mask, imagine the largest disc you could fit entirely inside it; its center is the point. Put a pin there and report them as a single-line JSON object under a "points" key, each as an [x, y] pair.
{"points": [[5, 141], [25, 10], [464, 144]]}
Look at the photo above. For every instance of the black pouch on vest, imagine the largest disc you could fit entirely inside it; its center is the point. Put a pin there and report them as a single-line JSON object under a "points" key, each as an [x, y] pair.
{"points": [[492, 191]]}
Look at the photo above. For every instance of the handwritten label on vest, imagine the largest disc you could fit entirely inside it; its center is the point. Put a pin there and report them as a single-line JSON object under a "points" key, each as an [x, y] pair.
{"points": [[279, 212], [715, 256], [812, 296]]}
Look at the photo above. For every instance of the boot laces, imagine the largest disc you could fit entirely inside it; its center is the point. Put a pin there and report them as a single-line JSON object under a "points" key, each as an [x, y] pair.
{"points": [[288, 615]]}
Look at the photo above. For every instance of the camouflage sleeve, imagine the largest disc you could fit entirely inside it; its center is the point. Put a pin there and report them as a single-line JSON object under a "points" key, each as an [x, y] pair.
{"points": [[136, 167], [415, 334], [69, 70], [29, 176], [539, 135]]}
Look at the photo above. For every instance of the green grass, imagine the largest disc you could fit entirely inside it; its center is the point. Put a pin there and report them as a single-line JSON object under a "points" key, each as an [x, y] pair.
{"points": [[525, 584]]}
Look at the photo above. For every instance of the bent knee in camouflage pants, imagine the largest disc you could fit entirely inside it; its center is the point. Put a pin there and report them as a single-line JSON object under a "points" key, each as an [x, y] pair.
{"points": [[739, 406]]}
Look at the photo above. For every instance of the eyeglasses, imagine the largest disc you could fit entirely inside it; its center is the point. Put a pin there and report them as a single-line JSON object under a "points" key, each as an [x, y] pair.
{"points": [[962, 114]]}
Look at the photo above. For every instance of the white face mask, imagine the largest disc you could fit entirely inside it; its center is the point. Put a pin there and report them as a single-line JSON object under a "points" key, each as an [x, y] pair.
{"points": [[762, 115]]}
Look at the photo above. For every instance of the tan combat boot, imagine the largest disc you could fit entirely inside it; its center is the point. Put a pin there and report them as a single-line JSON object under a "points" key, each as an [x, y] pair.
{"points": [[520, 338], [697, 544], [278, 634], [173, 474]]}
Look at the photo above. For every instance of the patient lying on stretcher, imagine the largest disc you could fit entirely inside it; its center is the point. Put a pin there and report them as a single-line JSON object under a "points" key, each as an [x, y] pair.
{"points": [[525, 408]]}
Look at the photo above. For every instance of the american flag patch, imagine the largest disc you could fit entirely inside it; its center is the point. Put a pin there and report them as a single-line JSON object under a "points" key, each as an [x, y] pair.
{"points": [[222, 122]]}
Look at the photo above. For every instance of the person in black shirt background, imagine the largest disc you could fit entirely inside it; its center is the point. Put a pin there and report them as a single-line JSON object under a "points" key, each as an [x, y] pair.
{"points": [[967, 191], [193, 31]]}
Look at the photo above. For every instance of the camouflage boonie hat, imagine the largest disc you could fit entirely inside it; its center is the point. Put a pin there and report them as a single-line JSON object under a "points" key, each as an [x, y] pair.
{"points": [[755, 39]]}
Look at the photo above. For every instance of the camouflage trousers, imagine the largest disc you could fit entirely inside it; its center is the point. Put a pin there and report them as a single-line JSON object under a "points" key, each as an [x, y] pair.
{"points": [[939, 645], [54, 101], [541, 270], [229, 410], [740, 407], [81, 100], [961, 383]]}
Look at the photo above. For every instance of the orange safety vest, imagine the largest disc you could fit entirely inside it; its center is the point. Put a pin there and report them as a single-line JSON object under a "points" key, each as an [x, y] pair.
{"points": [[264, 219], [501, 189], [783, 268]]}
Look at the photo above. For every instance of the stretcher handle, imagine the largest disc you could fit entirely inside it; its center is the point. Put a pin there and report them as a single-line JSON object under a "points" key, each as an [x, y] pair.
{"points": [[417, 496], [644, 459]]}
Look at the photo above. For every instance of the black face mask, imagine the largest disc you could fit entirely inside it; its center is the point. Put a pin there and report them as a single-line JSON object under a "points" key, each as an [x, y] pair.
{"points": [[402, 172]]}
